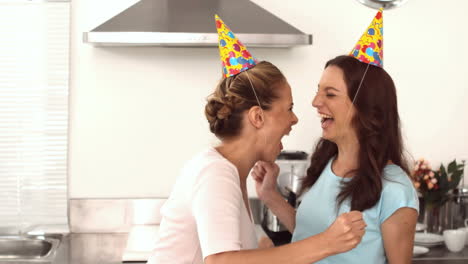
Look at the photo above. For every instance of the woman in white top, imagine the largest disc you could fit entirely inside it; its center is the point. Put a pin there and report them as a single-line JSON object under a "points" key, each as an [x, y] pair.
{"points": [[207, 217]]}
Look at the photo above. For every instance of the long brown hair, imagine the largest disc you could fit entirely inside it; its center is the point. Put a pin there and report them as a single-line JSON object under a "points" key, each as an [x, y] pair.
{"points": [[235, 94], [377, 126]]}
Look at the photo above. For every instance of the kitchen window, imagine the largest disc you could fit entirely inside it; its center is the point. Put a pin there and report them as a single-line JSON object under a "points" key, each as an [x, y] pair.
{"points": [[34, 76]]}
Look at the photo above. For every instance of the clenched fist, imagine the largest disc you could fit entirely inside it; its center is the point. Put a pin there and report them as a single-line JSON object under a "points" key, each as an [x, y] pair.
{"points": [[346, 232], [265, 175]]}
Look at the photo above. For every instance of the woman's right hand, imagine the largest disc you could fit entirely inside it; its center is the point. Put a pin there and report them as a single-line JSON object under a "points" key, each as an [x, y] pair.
{"points": [[265, 175], [345, 233]]}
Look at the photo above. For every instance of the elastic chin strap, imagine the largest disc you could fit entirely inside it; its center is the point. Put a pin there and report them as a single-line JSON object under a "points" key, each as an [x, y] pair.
{"points": [[355, 96], [258, 101], [253, 89]]}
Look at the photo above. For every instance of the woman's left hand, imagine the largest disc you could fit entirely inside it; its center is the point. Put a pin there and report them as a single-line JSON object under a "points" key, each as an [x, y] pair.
{"points": [[265, 175]]}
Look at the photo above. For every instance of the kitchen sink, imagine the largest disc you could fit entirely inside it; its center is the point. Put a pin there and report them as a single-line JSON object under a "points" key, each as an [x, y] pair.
{"points": [[34, 248]]}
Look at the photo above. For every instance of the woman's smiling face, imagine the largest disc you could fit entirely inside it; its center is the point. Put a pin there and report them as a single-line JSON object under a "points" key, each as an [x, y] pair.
{"points": [[333, 104], [278, 122]]}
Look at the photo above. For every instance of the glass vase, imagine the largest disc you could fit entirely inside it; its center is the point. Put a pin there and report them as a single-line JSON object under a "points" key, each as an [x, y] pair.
{"points": [[432, 219]]}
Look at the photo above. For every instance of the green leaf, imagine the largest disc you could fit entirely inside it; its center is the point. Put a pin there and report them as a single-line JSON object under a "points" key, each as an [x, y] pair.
{"points": [[452, 166], [455, 180], [442, 170], [442, 181]]}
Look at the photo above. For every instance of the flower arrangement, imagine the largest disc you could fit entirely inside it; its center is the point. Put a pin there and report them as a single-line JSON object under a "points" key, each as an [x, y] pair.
{"points": [[434, 186], [423, 176]]}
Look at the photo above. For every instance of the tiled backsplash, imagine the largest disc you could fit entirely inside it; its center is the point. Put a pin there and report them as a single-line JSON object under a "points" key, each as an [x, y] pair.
{"points": [[119, 215]]}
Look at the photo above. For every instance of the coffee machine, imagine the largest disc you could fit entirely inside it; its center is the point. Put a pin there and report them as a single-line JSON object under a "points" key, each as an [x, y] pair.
{"points": [[293, 166]]}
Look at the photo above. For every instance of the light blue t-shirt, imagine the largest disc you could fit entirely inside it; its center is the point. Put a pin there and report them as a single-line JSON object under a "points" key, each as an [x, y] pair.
{"points": [[317, 212]]}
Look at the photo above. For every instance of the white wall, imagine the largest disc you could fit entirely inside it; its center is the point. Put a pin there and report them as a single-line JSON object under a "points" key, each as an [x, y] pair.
{"points": [[137, 112]]}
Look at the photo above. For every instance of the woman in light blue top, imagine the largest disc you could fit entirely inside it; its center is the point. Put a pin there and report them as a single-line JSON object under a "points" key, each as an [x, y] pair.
{"points": [[358, 164]]}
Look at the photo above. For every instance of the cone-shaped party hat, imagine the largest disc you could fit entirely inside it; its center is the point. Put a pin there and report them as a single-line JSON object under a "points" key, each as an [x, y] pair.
{"points": [[235, 57], [369, 48]]}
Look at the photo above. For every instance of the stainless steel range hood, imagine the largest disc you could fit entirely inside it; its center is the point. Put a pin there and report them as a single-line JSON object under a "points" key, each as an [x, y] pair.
{"points": [[191, 23]]}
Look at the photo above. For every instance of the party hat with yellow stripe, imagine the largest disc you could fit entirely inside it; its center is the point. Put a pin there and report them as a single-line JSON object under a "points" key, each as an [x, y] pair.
{"points": [[235, 57], [369, 48]]}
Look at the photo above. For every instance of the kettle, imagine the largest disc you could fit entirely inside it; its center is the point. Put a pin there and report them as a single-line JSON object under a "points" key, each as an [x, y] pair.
{"points": [[292, 165]]}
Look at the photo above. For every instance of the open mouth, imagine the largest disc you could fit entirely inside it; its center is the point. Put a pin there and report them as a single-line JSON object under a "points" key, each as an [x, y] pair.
{"points": [[285, 134], [326, 120]]}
